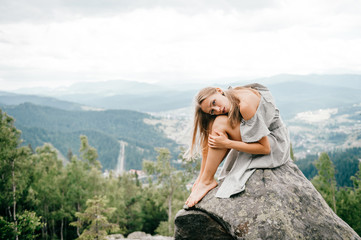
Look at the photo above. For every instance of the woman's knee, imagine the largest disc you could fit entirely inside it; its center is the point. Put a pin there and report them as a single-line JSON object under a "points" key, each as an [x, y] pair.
{"points": [[221, 123]]}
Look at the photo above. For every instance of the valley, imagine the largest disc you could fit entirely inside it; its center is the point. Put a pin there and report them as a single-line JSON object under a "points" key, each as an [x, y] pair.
{"points": [[311, 132]]}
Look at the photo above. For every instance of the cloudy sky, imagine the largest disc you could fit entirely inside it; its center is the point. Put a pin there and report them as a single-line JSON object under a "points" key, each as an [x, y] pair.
{"points": [[58, 42]]}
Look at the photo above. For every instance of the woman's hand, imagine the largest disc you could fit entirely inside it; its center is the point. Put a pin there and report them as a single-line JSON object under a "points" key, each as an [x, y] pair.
{"points": [[218, 140]]}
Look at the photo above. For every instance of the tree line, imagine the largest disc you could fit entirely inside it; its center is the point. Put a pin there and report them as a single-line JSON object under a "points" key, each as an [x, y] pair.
{"points": [[41, 198], [344, 161], [40, 124], [344, 201]]}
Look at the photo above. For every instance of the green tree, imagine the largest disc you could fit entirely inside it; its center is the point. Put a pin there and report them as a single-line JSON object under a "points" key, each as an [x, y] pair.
{"points": [[356, 206], [132, 202], [44, 192], [77, 188], [349, 202], [114, 192], [28, 226], [88, 153], [13, 168], [325, 181], [153, 210], [169, 180], [83, 180], [69, 155], [94, 219]]}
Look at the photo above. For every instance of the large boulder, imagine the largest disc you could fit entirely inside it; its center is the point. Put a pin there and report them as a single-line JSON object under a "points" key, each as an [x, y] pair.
{"points": [[278, 203]]}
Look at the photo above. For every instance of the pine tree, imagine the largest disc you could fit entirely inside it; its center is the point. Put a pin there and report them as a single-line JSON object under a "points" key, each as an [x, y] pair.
{"points": [[88, 153], [69, 155], [356, 221], [94, 220], [169, 180], [325, 181], [83, 179]]}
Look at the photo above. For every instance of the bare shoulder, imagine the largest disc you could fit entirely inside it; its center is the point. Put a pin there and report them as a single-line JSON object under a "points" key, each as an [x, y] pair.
{"points": [[248, 105], [247, 110]]}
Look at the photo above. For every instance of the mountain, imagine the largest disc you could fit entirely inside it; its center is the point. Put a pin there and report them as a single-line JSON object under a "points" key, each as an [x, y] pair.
{"points": [[296, 97], [120, 94], [147, 102], [7, 98], [293, 93], [335, 80], [104, 129]]}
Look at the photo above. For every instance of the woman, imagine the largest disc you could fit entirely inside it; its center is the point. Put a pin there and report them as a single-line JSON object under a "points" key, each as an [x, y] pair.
{"points": [[243, 124]]}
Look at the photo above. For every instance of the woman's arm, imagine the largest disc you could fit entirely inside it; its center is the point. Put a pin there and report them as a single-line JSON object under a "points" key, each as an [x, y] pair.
{"points": [[260, 147], [247, 107], [220, 140]]}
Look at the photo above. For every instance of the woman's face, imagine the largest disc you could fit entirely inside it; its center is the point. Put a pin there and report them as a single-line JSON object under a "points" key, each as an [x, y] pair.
{"points": [[216, 104]]}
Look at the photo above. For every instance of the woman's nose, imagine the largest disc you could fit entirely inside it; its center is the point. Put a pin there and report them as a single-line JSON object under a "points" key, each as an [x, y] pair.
{"points": [[216, 108]]}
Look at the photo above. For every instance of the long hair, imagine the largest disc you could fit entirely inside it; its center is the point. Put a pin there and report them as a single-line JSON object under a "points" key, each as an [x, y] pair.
{"points": [[203, 121]]}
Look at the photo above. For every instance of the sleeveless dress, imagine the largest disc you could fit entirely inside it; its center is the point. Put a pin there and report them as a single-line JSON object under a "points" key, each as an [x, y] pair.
{"points": [[239, 166]]}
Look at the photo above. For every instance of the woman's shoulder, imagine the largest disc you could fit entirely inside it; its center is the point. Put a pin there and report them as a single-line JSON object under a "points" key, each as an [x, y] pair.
{"points": [[248, 105]]}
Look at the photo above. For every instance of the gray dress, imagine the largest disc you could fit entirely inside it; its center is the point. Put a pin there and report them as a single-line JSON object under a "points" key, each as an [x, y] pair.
{"points": [[239, 166]]}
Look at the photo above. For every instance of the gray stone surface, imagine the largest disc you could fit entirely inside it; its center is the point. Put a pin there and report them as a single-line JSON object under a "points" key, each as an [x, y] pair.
{"points": [[138, 236], [278, 203], [115, 237]]}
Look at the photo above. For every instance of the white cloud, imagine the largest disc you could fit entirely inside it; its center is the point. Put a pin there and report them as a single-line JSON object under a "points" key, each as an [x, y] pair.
{"points": [[158, 43]]}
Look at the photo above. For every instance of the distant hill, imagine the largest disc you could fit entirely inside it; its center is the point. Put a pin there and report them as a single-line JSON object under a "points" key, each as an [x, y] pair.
{"points": [[104, 129], [7, 98], [147, 102], [335, 80], [293, 93], [295, 97], [300, 93]]}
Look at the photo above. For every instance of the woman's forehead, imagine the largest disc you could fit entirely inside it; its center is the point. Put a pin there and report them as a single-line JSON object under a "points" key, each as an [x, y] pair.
{"points": [[205, 105]]}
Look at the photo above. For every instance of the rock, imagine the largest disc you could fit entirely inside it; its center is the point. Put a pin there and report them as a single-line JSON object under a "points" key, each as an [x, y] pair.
{"points": [[138, 235], [115, 237], [157, 238], [278, 203]]}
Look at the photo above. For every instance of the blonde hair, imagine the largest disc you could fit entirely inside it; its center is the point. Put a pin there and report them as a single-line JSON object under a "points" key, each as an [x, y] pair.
{"points": [[203, 120]]}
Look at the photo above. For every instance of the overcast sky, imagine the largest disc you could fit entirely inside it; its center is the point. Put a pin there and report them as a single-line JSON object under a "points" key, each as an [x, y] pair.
{"points": [[58, 42]]}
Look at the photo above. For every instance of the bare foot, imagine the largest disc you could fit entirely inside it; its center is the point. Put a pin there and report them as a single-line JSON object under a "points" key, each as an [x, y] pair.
{"points": [[196, 182], [200, 190]]}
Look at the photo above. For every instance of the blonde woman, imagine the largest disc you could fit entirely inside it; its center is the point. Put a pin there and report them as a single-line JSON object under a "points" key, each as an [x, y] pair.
{"points": [[243, 125]]}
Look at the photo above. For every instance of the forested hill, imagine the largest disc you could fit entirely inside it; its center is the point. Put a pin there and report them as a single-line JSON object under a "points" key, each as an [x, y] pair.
{"points": [[345, 162], [104, 130]]}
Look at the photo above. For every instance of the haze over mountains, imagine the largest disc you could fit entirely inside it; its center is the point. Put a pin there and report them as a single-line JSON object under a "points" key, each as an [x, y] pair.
{"points": [[293, 94], [323, 113]]}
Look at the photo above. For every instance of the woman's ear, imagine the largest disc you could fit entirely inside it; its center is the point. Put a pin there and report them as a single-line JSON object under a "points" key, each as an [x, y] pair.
{"points": [[219, 90]]}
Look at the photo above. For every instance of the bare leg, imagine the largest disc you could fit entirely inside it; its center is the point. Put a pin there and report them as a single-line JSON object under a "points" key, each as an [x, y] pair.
{"points": [[214, 158], [207, 181], [204, 159]]}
